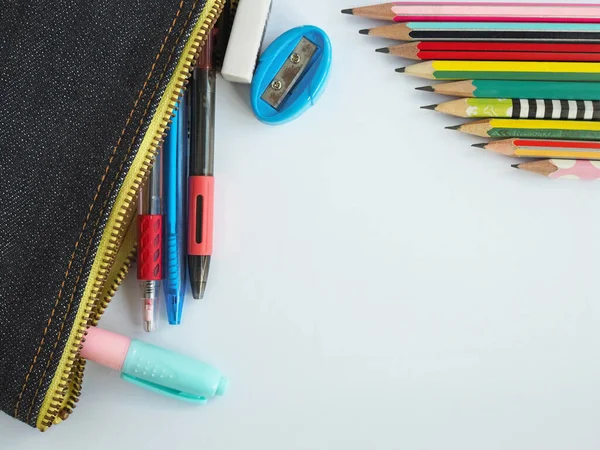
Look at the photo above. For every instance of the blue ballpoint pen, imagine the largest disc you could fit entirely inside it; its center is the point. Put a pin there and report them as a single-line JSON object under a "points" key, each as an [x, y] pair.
{"points": [[175, 153]]}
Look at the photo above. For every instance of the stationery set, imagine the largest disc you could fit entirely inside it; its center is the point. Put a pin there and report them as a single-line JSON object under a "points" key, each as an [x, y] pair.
{"points": [[108, 141], [528, 72]]}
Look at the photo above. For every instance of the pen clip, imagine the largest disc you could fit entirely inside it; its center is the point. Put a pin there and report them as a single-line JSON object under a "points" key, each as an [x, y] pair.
{"points": [[159, 389]]}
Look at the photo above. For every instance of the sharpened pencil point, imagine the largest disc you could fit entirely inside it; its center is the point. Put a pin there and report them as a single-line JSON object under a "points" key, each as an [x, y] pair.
{"points": [[479, 145], [401, 70], [454, 127], [425, 88], [515, 166], [365, 31], [348, 11], [382, 50], [430, 107]]}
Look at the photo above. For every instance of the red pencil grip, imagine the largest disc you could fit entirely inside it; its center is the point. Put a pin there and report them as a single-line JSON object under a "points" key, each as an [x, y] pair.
{"points": [[201, 207], [149, 266]]}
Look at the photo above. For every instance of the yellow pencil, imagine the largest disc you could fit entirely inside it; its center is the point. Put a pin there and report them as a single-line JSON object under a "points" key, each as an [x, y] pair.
{"points": [[504, 70], [530, 128]]}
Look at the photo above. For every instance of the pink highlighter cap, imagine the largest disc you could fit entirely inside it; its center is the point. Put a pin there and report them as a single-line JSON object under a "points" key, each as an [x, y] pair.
{"points": [[105, 348]]}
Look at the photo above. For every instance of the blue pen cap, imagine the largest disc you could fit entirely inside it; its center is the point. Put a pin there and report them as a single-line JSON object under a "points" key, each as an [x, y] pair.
{"points": [[172, 374]]}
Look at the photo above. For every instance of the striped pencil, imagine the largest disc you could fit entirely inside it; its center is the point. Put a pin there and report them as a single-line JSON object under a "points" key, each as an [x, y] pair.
{"points": [[505, 70], [542, 148], [531, 129], [492, 51], [518, 89], [566, 169], [492, 32], [520, 108], [480, 11]]}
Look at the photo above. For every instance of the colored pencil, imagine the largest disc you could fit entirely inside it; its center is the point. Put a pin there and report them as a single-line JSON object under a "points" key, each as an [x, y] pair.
{"points": [[520, 108], [541, 148], [518, 89], [480, 11], [536, 129], [419, 50], [566, 169], [505, 70], [475, 46], [481, 31]]}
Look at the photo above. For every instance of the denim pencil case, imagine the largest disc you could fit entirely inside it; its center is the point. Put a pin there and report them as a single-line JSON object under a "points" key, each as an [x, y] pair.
{"points": [[87, 90]]}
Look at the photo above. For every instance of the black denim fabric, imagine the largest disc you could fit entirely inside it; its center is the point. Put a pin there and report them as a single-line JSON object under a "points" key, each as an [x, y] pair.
{"points": [[79, 83]]}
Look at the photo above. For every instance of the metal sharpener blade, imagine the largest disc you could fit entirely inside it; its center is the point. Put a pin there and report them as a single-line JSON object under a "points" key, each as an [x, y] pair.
{"points": [[289, 74]]}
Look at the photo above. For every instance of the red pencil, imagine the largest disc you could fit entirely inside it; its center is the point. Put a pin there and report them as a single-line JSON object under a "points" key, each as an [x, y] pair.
{"points": [[495, 51], [509, 47]]}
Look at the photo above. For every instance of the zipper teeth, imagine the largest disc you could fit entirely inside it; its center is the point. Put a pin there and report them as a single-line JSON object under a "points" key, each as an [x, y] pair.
{"points": [[72, 376], [116, 282]]}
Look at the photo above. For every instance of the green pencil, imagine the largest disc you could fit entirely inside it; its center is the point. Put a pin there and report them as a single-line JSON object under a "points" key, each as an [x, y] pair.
{"points": [[538, 129], [505, 70], [551, 90]]}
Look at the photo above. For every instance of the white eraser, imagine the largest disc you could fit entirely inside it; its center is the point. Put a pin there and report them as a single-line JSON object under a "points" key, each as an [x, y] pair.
{"points": [[245, 41]]}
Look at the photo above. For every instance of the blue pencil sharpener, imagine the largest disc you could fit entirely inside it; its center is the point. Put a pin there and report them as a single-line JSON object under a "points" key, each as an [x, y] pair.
{"points": [[291, 75]]}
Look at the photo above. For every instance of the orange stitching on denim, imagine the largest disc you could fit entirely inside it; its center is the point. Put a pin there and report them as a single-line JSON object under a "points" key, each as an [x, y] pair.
{"points": [[106, 170], [162, 75]]}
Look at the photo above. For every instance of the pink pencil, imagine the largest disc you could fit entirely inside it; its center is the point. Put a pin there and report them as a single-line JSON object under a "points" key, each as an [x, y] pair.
{"points": [[566, 169], [480, 12]]}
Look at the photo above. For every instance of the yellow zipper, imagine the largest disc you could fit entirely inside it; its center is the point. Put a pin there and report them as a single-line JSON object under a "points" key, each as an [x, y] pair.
{"points": [[117, 246]]}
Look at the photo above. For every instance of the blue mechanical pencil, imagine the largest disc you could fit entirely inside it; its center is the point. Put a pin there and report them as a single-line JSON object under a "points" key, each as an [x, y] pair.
{"points": [[175, 162]]}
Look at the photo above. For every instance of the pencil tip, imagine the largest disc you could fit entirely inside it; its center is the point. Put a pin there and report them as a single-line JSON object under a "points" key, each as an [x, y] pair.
{"points": [[429, 107], [348, 11], [365, 31], [425, 88], [454, 127], [479, 145], [382, 50], [401, 70], [515, 166]]}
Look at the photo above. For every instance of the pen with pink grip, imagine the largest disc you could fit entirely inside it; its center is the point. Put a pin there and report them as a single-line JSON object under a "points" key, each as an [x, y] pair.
{"points": [[150, 232], [201, 181]]}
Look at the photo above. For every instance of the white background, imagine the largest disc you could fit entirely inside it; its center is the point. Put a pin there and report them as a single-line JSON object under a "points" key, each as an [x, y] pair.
{"points": [[376, 283]]}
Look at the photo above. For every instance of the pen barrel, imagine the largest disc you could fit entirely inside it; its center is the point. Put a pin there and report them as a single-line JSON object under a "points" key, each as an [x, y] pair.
{"points": [[201, 210], [174, 270], [150, 194], [149, 295], [175, 166], [202, 132], [149, 264]]}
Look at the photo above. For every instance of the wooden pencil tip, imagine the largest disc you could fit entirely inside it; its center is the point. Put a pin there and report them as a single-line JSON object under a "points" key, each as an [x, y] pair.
{"points": [[454, 127], [348, 11], [365, 31], [382, 50], [425, 88], [430, 107], [479, 145], [401, 70], [515, 166]]}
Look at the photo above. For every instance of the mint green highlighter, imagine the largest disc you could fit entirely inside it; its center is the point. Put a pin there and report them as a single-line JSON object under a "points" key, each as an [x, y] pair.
{"points": [[155, 368]]}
